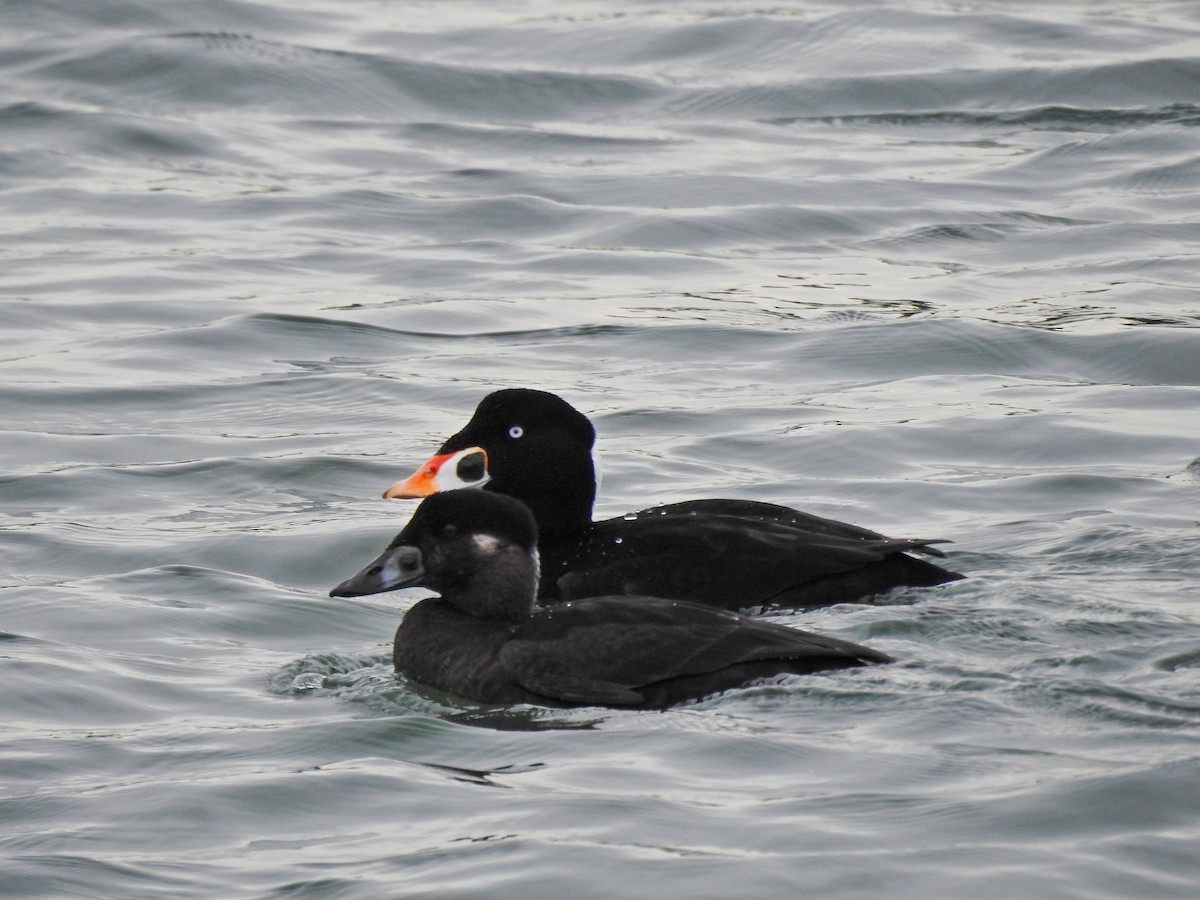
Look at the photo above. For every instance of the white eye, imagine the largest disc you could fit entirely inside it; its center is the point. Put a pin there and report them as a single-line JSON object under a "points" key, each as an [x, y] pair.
{"points": [[516, 431]]}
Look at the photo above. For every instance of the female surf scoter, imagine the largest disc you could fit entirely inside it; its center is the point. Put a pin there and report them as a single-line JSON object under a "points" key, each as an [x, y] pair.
{"points": [[486, 639], [737, 554]]}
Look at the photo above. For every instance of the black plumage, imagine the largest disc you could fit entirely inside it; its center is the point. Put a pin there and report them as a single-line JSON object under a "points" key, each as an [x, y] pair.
{"points": [[485, 638], [737, 554]]}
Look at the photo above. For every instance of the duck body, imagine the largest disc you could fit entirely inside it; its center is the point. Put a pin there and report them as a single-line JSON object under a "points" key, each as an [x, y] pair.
{"points": [[733, 553], [486, 640], [636, 652], [737, 554]]}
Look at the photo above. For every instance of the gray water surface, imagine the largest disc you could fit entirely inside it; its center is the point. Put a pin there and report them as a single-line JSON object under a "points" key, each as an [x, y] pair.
{"points": [[927, 267]]}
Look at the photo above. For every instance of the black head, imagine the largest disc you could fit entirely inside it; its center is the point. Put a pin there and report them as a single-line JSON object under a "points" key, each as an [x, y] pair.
{"points": [[446, 515], [478, 550], [536, 447], [516, 413]]}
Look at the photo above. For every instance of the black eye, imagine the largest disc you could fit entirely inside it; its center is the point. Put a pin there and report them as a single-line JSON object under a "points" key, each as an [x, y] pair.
{"points": [[516, 431], [449, 531]]}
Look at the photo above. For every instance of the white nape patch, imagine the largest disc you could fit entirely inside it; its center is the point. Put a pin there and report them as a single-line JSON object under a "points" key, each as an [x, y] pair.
{"points": [[537, 567], [447, 476], [487, 544], [597, 471]]}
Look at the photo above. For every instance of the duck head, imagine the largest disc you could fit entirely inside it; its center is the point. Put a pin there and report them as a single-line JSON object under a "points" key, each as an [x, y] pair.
{"points": [[527, 444], [477, 550]]}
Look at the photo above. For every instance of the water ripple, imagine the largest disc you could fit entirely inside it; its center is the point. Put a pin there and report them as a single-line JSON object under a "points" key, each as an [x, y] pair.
{"points": [[927, 269]]}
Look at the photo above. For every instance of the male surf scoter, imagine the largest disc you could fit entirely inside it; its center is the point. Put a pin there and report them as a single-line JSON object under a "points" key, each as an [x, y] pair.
{"points": [[486, 639], [738, 554]]}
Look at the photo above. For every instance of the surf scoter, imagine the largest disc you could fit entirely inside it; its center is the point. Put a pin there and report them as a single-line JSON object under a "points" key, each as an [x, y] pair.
{"points": [[736, 554], [486, 639]]}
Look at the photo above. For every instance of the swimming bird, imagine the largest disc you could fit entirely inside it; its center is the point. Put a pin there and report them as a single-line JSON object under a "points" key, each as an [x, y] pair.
{"points": [[486, 639], [737, 554]]}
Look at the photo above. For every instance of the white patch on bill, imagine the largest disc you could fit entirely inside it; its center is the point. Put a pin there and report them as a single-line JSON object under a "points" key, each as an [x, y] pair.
{"points": [[391, 572], [447, 477]]}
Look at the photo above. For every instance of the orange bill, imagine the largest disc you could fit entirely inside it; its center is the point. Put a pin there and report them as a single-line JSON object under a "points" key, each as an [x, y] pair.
{"points": [[445, 472]]}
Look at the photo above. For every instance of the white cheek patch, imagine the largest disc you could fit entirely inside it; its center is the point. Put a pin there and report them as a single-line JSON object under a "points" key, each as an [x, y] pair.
{"points": [[487, 544], [447, 478]]}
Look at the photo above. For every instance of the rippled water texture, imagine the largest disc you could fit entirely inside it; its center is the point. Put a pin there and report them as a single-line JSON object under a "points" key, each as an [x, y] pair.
{"points": [[928, 267]]}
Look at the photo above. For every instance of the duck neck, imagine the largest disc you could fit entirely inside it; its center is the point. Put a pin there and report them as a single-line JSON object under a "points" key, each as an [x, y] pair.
{"points": [[506, 589], [561, 516], [560, 495]]}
